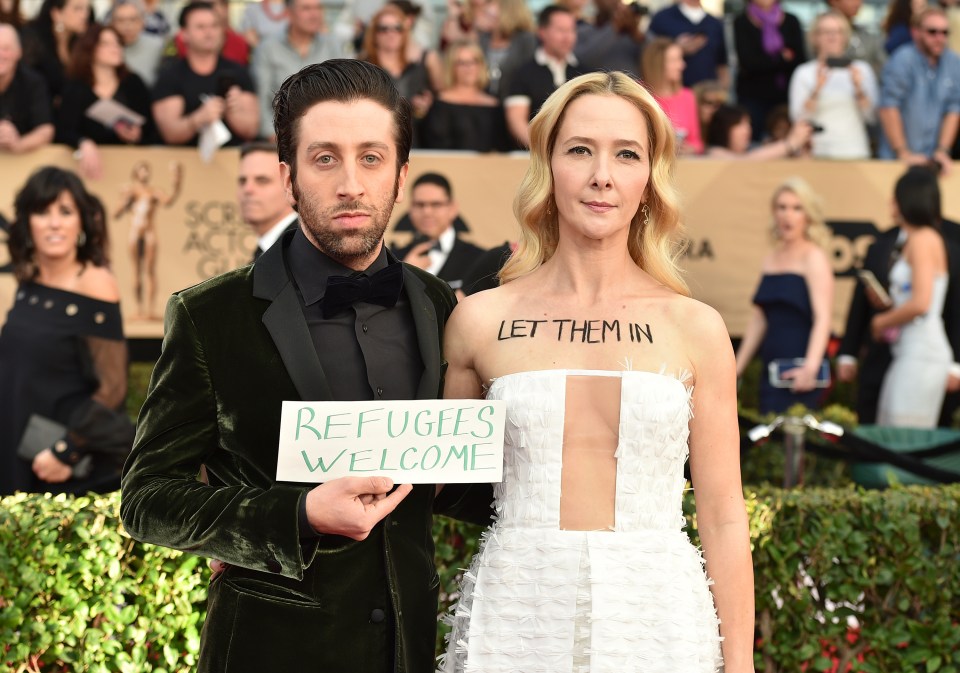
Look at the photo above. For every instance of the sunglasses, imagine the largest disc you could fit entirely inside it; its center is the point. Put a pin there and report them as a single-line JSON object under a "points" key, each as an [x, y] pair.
{"points": [[392, 28], [933, 32]]}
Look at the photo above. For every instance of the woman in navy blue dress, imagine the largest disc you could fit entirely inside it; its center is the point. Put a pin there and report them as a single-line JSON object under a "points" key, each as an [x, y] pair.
{"points": [[790, 321]]}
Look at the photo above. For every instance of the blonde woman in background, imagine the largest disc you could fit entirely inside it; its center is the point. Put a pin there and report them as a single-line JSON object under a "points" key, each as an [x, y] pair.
{"points": [[464, 116], [790, 322], [612, 376], [835, 93], [508, 41]]}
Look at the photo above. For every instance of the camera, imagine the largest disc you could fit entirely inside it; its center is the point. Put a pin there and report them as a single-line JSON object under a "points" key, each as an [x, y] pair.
{"points": [[637, 8]]}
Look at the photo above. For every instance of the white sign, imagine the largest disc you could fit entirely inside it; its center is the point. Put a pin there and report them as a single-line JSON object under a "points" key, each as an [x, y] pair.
{"points": [[410, 441]]}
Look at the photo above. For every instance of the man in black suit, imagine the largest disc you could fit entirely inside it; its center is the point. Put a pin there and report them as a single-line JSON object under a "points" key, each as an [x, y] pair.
{"points": [[436, 247], [262, 198], [338, 577], [862, 358]]}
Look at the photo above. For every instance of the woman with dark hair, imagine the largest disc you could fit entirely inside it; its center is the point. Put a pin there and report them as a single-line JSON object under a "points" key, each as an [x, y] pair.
{"points": [[729, 136], [619, 378], [915, 383], [897, 23], [464, 116], [770, 45], [10, 13], [48, 40], [63, 358], [386, 43], [98, 73]]}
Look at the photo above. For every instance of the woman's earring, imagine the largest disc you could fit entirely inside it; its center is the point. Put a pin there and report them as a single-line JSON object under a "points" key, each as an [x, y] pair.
{"points": [[82, 239], [59, 27], [646, 214]]}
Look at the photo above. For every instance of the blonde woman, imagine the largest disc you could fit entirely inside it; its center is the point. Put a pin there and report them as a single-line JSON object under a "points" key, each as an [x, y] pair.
{"points": [[662, 68], [790, 322], [508, 41], [834, 92], [603, 358], [464, 116]]}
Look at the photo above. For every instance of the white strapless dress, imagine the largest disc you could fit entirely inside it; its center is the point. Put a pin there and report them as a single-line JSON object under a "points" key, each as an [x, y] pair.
{"points": [[539, 599], [915, 383]]}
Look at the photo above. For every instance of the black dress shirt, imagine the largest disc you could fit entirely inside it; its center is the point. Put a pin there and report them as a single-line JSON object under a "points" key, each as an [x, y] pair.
{"points": [[368, 352]]}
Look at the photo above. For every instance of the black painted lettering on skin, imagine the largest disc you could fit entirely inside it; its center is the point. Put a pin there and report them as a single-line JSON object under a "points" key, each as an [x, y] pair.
{"points": [[611, 326], [637, 332], [571, 330]]}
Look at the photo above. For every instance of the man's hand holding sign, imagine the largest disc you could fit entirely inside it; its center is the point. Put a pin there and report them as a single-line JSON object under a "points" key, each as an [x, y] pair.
{"points": [[358, 450]]}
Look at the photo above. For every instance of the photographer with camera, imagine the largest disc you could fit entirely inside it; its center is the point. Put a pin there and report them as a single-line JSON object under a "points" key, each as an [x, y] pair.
{"points": [[835, 93]]}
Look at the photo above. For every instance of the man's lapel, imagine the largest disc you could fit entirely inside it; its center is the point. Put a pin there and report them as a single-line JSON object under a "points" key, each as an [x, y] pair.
{"points": [[428, 334], [286, 324]]}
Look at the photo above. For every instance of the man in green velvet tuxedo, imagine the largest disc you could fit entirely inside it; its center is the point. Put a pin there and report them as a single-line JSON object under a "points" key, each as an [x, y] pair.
{"points": [[339, 577]]}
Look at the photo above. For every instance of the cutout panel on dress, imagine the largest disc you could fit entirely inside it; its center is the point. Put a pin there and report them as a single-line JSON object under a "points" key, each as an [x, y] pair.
{"points": [[591, 430]]}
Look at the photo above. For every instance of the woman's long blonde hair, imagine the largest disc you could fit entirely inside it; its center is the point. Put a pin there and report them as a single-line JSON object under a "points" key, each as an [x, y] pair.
{"points": [[817, 229], [655, 246]]}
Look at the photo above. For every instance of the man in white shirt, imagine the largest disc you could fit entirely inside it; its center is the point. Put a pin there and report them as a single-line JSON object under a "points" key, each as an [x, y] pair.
{"points": [[436, 248], [263, 201]]}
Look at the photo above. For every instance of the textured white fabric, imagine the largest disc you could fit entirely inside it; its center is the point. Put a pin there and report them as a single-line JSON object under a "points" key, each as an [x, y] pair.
{"points": [[538, 599]]}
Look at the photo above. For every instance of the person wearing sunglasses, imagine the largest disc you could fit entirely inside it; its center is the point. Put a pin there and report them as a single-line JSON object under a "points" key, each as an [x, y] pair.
{"points": [[920, 96]]}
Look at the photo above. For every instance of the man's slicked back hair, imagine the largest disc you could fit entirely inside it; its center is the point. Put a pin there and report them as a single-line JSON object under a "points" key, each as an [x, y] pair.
{"points": [[344, 81]]}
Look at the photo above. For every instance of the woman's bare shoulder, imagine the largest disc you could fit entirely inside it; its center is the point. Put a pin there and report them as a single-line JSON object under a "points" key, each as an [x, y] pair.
{"points": [[98, 282]]}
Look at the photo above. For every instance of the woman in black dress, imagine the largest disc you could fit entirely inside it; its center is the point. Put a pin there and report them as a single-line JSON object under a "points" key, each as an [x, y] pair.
{"points": [[48, 39], [770, 45], [97, 72], [63, 358], [464, 116]]}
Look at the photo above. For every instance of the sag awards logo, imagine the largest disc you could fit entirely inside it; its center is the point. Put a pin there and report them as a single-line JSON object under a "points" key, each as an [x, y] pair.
{"points": [[217, 237], [848, 245]]}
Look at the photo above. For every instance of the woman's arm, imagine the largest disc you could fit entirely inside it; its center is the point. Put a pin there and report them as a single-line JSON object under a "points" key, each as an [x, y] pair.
{"points": [[715, 471], [752, 338], [819, 278], [922, 252]]}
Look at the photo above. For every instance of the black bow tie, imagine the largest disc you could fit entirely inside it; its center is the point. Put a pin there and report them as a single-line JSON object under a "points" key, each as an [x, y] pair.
{"points": [[381, 288]]}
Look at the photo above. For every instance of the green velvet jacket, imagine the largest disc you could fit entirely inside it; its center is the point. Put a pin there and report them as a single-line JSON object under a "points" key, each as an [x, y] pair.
{"points": [[236, 346]]}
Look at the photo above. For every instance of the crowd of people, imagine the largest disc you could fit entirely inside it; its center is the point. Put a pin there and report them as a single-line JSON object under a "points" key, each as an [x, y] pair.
{"points": [[341, 574], [476, 79]]}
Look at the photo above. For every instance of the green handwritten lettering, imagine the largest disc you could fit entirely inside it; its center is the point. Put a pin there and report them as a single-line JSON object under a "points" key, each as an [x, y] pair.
{"points": [[440, 432], [329, 425], [474, 455], [416, 424], [461, 453], [403, 458], [423, 462], [480, 418], [361, 420], [306, 425], [320, 464], [459, 420], [406, 421], [354, 460]]}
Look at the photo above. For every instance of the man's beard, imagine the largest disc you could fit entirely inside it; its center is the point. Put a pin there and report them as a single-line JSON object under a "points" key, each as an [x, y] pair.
{"points": [[345, 247]]}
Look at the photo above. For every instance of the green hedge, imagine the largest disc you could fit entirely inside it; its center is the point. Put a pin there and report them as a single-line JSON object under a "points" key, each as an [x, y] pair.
{"points": [[77, 594]]}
